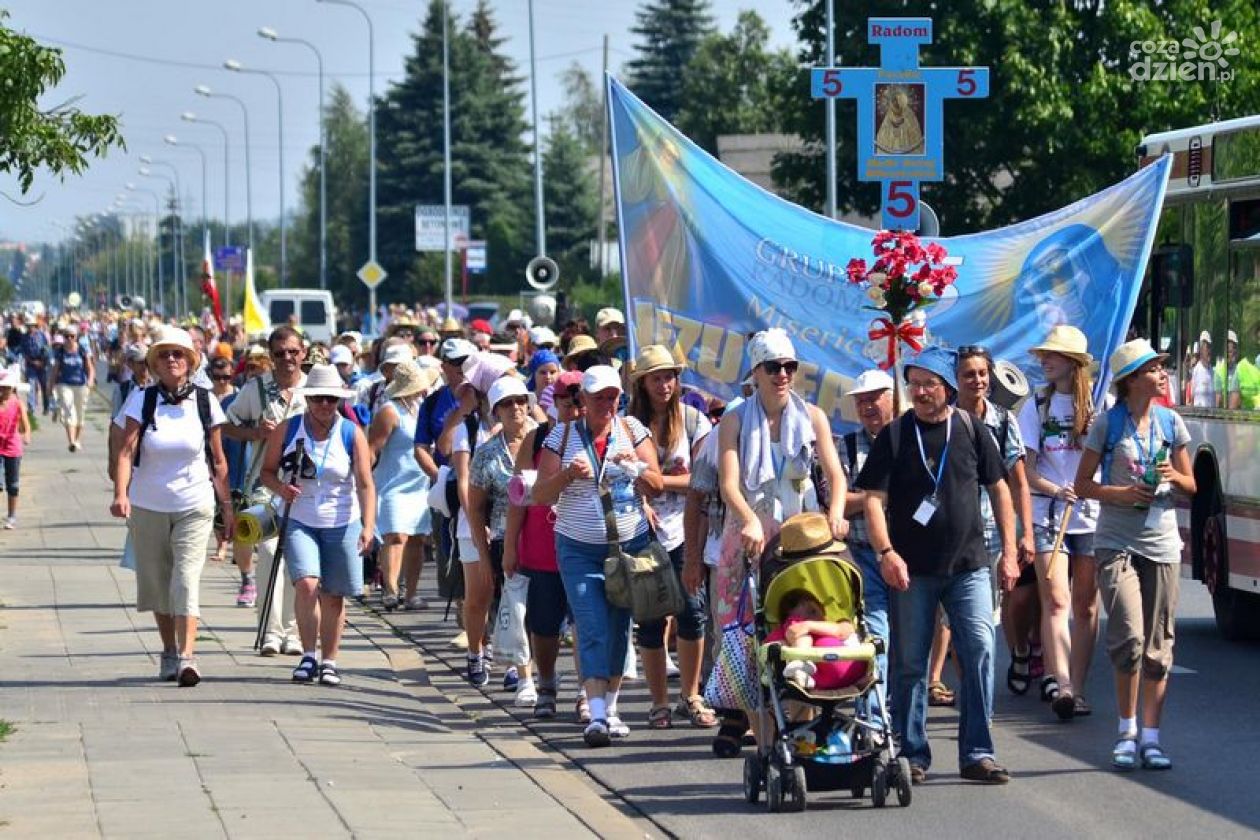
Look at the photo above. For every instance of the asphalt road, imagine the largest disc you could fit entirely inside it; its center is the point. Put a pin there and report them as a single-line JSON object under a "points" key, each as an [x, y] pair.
{"points": [[1063, 784]]}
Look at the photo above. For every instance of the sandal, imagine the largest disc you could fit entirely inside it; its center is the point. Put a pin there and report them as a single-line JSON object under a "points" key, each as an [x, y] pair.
{"points": [[698, 712], [1036, 662], [1125, 757], [1064, 706], [306, 670], [729, 741], [1154, 758], [1018, 676], [1080, 708], [1049, 689], [545, 705], [660, 717], [582, 709], [939, 694]]}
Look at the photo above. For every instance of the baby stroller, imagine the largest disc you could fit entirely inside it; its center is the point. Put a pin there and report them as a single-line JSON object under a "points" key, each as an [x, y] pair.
{"points": [[848, 743]]}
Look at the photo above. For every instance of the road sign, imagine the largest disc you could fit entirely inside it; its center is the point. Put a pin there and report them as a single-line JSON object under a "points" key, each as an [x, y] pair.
{"points": [[371, 274], [230, 258], [431, 225], [900, 125], [475, 256]]}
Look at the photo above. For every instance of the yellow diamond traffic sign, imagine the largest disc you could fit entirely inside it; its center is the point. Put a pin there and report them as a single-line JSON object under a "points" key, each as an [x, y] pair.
{"points": [[371, 274]]}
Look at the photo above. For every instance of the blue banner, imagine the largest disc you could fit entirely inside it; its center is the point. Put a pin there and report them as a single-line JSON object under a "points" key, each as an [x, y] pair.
{"points": [[709, 258]]}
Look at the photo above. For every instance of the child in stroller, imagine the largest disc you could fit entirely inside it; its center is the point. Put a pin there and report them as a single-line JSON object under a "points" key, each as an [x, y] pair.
{"points": [[821, 699]]}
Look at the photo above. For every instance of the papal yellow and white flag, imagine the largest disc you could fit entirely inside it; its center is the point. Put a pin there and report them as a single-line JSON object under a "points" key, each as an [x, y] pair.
{"points": [[256, 320]]}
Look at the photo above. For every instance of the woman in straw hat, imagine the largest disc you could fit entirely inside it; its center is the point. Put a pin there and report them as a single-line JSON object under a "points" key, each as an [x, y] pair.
{"points": [[1054, 425], [1141, 449], [332, 518], [401, 486], [678, 431], [168, 472]]}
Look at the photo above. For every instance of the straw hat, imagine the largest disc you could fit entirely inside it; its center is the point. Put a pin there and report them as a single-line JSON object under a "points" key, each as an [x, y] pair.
{"points": [[174, 337], [450, 327], [652, 358], [808, 534], [609, 315], [1130, 356], [323, 380], [1066, 341], [411, 379], [582, 343]]}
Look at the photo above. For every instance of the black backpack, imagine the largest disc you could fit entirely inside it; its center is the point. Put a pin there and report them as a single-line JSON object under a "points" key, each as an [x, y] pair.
{"points": [[148, 412]]}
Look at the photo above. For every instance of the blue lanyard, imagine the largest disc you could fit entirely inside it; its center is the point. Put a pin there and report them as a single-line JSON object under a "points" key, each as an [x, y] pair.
{"points": [[1146, 457], [319, 471], [589, 442], [940, 467]]}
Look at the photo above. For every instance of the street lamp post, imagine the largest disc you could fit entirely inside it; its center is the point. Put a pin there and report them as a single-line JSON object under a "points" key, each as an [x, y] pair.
{"points": [[190, 117], [157, 234], [540, 229], [202, 90], [172, 140], [446, 156], [271, 35], [372, 153], [236, 67], [181, 272]]}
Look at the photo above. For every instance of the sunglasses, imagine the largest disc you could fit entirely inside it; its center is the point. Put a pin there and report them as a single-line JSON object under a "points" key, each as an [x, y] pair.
{"points": [[286, 353], [170, 354], [225, 377], [969, 350], [514, 401], [323, 399], [427, 342], [773, 368]]}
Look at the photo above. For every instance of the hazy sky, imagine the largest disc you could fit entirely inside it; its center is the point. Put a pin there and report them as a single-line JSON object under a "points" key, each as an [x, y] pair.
{"points": [[151, 96]]}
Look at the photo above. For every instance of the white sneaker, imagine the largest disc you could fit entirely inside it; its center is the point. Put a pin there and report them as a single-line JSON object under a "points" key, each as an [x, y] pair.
{"points": [[10, 523], [671, 667], [526, 696], [270, 647], [617, 727], [291, 647]]}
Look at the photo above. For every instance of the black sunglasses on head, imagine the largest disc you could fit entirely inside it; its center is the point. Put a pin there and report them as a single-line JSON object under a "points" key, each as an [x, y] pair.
{"points": [[773, 367], [969, 350]]}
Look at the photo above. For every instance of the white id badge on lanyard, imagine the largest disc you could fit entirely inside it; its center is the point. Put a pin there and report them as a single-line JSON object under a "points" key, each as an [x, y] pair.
{"points": [[927, 507]]}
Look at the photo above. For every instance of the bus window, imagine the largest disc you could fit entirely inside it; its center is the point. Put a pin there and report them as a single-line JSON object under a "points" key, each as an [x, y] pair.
{"points": [[1240, 371]]}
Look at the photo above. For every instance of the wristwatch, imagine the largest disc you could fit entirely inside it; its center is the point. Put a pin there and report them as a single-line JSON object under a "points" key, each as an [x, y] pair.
{"points": [[885, 551]]}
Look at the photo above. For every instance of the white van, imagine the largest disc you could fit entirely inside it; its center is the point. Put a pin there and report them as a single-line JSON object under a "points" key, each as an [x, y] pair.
{"points": [[316, 314]]}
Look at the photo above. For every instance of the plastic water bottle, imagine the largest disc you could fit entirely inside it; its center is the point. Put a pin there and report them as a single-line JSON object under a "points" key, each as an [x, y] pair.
{"points": [[1151, 476]]}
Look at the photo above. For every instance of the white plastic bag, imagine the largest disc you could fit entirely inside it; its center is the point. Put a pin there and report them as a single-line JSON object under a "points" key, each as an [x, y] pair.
{"points": [[511, 644]]}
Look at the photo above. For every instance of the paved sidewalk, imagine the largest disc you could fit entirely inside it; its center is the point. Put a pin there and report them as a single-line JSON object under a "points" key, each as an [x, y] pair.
{"points": [[101, 749]]}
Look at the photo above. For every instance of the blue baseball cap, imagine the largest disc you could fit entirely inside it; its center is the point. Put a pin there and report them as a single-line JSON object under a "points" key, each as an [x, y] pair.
{"points": [[937, 360]]}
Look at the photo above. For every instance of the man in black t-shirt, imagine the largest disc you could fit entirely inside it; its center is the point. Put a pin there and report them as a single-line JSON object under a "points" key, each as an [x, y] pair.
{"points": [[923, 517]]}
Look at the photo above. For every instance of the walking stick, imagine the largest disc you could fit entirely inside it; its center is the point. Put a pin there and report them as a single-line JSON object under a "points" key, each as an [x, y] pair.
{"points": [[299, 452], [1058, 540]]}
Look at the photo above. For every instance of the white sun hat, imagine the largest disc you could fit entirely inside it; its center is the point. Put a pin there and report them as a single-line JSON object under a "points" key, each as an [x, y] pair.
{"points": [[324, 380]]}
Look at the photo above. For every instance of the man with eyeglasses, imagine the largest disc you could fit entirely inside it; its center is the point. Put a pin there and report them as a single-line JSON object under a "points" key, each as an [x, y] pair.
{"points": [[923, 519], [263, 403]]}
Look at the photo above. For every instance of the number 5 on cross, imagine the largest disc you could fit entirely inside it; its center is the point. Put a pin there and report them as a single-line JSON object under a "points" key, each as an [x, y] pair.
{"points": [[900, 205]]}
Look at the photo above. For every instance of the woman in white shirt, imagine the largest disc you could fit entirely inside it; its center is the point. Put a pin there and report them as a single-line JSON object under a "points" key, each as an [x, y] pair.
{"points": [[678, 431], [332, 518], [168, 472]]}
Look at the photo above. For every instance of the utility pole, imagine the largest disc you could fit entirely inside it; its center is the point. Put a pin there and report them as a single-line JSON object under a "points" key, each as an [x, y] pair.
{"points": [[603, 163]]}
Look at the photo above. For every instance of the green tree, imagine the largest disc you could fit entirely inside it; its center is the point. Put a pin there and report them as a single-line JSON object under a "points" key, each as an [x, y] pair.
{"points": [[60, 138], [489, 159], [570, 200], [735, 84], [347, 135], [583, 109], [1063, 114], [669, 33]]}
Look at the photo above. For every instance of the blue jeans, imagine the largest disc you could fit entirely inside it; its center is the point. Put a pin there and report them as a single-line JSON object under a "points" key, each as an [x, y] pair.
{"points": [[330, 554], [603, 630], [968, 601], [874, 598]]}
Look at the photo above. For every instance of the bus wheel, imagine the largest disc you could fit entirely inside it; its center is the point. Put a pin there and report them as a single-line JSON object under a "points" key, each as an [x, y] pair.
{"points": [[1237, 613]]}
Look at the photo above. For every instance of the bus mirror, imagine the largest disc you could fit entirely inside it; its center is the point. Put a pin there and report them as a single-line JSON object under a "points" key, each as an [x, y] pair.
{"points": [[1172, 275]]}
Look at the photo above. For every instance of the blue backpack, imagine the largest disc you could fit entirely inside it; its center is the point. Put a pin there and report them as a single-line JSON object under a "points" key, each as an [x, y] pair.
{"points": [[1117, 420], [347, 434]]}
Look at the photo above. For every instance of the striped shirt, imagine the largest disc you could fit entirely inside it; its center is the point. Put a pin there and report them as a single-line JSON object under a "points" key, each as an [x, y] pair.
{"points": [[858, 534], [579, 513]]}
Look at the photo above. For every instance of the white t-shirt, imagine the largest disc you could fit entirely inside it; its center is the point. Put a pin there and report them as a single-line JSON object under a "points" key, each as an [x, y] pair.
{"points": [[1202, 386], [459, 443], [173, 475], [1057, 460], [669, 506], [329, 500]]}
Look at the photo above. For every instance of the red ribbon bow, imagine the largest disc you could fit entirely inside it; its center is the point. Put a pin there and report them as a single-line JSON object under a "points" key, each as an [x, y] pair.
{"points": [[905, 331]]}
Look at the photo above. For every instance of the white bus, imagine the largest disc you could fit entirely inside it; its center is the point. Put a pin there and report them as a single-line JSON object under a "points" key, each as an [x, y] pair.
{"points": [[1204, 280]]}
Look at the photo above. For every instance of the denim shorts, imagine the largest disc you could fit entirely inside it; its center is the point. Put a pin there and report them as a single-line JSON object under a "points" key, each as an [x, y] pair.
{"points": [[1073, 544], [547, 605], [330, 554]]}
